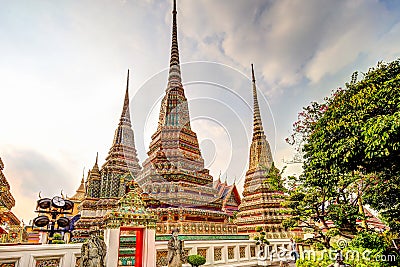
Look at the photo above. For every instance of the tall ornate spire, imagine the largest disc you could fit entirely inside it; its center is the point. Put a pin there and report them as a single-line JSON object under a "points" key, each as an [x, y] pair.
{"points": [[258, 128], [260, 151], [174, 107], [125, 116], [174, 144], [122, 157], [94, 180], [174, 78], [81, 191], [261, 203], [96, 165]]}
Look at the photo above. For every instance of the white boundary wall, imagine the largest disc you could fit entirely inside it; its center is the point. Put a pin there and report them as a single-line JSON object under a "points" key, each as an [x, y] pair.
{"points": [[68, 254], [221, 245], [29, 255]]}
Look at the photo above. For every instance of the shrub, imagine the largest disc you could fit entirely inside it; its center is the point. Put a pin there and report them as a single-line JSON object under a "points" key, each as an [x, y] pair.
{"points": [[57, 239], [196, 260]]}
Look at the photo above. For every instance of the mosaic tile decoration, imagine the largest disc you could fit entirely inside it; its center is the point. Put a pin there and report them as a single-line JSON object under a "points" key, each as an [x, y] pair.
{"points": [[252, 251], [231, 253], [242, 252], [202, 252], [217, 254], [47, 263], [161, 258]]}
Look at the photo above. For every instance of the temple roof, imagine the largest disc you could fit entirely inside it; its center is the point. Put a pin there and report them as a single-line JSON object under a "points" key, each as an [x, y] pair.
{"points": [[9, 217], [131, 211], [225, 191]]}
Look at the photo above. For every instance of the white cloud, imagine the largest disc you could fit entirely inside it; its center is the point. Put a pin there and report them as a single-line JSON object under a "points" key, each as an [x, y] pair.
{"points": [[288, 40]]}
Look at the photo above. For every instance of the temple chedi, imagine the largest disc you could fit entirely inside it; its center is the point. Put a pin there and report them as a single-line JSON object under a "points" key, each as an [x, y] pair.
{"points": [[10, 226], [105, 186], [79, 196], [174, 172], [261, 200]]}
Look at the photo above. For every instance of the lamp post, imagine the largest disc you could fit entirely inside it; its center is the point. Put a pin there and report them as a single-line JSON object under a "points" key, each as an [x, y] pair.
{"points": [[52, 215]]}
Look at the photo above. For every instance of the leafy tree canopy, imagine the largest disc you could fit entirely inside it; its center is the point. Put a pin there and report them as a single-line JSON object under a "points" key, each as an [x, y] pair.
{"points": [[351, 147]]}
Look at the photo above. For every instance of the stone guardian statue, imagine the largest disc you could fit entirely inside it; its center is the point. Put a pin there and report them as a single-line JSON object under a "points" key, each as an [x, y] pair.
{"points": [[175, 250], [93, 252]]}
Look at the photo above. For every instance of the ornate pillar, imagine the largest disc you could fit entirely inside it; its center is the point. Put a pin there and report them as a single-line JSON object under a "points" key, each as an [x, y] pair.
{"points": [[111, 238]]}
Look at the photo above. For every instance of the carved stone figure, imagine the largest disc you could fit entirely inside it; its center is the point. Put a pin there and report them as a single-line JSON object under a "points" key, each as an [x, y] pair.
{"points": [[93, 252], [175, 250]]}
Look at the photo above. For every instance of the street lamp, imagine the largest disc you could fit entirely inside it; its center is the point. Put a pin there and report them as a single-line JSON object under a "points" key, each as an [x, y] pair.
{"points": [[52, 215]]}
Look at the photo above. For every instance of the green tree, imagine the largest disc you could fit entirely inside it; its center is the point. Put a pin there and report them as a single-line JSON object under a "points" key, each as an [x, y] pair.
{"points": [[351, 149]]}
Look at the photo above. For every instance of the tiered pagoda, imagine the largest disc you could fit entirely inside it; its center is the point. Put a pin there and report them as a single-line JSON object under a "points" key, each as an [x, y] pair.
{"points": [[10, 226], [261, 202], [174, 172], [105, 186]]}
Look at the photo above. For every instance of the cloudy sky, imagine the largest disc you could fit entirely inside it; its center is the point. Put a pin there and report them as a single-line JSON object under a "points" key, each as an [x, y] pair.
{"points": [[63, 66]]}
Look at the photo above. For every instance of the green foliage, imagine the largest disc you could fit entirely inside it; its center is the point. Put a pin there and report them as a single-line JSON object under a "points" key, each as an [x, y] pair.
{"points": [[356, 139], [258, 228], [196, 260], [274, 179], [318, 246], [366, 257], [369, 240], [260, 237], [351, 149], [313, 207], [57, 239], [57, 236]]}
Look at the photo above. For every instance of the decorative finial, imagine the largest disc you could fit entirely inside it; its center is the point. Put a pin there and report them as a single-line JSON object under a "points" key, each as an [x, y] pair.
{"points": [[83, 176], [125, 116], [127, 81], [252, 73], [174, 66], [257, 115], [97, 158]]}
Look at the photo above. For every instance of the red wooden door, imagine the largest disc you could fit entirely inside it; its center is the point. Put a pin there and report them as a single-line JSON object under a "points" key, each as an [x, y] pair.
{"points": [[135, 248]]}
